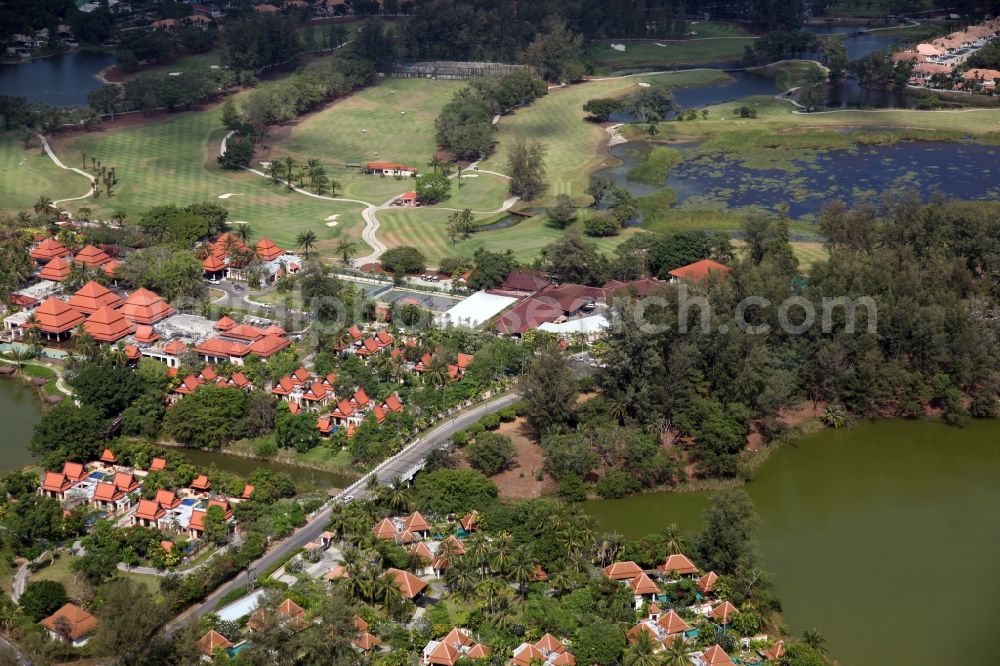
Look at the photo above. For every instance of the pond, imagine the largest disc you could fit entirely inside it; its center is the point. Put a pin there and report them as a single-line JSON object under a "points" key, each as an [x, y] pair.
{"points": [[874, 535], [60, 80], [739, 84], [306, 479], [860, 175], [20, 410], [858, 41]]}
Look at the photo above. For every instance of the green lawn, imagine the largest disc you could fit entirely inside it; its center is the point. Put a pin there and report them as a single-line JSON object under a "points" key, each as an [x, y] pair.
{"points": [[575, 147], [427, 229], [712, 41], [392, 121], [776, 116], [482, 192], [60, 571], [787, 74], [874, 8], [197, 62], [173, 161], [27, 174]]}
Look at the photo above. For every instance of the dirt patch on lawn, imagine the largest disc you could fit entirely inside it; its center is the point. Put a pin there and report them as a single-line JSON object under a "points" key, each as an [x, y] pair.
{"points": [[520, 481]]}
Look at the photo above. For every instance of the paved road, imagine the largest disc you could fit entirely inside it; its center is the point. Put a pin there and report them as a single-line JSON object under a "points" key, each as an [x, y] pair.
{"points": [[396, 466]]}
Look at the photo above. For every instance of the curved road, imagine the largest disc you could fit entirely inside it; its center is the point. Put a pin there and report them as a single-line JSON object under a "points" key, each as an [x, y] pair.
{"points": [[399, 465]]}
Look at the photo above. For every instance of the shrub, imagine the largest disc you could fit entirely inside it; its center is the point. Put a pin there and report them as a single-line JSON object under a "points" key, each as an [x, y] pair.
{"points": [[602, 226], [490, 421], [617, 484], [491, 453]]}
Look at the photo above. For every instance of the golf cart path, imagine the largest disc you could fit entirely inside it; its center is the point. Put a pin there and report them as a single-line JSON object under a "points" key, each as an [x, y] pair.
{"points": [[55, 160]]}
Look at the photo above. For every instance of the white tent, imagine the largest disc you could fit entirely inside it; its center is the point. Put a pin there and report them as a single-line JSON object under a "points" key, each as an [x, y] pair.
{"points": [[476, 310]]}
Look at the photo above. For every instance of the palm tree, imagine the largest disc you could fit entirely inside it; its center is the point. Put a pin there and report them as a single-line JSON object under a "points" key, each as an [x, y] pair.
{"points": [[676, 654], [814, 639], [314, 170], [503, 551], [834, 416], [289, 170], [461, 577], [673, 539], [478, 550], [642, 652], [43, 205], [306, 240], [436, 163], [244, 232], [522, 569], [345, 248], [398, 494]]}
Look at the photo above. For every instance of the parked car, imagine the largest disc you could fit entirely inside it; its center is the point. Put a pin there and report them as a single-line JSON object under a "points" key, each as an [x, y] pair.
{"points": [[237, 287]]}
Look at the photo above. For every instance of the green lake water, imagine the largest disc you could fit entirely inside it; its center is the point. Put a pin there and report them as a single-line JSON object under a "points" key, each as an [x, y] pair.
{"points": [[306, 479], [883, 536], [20, 410]]}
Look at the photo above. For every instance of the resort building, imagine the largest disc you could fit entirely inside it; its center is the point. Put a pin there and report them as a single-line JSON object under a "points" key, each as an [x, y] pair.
{"points": [[456, 645], [48, 249], [211, 643], [70, 624], [389, 169], [107, 325], [56, 270], [410, 586], [146, 307], [700, 272], [548, 651], [54, 319], [92, 296], [91, 257]]}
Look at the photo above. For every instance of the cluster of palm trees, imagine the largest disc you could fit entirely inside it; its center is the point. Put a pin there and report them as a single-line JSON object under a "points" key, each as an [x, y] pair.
{"points": [[288, 171], [105, 175]]}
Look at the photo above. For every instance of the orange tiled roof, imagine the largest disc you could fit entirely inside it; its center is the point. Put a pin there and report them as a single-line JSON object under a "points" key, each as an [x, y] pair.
{"points": [[157, 465], [269, 345], [408, 584], [167, 499], [416, 523], [699, 271], [213, 641], [643, 584], [72, 621], [723, 612], [111, 268], [107, 325], [55, 316], [672, 623], [716, 656], [149, 510], [707, 582], [679, 564], [622, 570], [56, 270], [74, 471], [93, 296], [267, 250], [201, 482], [125, 482], [92, 257], [107, 492], [145, 307], [145, 334], [56, 482], [108, 456], [49, 249]]}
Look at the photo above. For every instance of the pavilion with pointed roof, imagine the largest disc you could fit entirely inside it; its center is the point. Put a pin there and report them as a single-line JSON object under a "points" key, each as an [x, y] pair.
{"points": [[107, 325], [56, 270], [54, 319], [92, 296], [91, 257], [145, 307], [267, 250], [48, 249]]}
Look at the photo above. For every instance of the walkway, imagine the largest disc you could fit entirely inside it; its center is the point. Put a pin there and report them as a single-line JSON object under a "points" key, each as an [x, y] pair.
{"points": [[55, 160]]}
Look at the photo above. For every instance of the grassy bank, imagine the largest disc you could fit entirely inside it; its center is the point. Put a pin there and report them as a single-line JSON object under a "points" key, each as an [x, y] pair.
{"points": [[787, 74], [712, 41]]}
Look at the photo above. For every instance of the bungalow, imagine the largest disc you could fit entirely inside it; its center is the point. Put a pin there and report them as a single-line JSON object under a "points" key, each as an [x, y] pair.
{"points": [[107, 325], [678, 565], [148, 513], [288, 614], [417, 524], [196, 526], [108, 496], [700, 271], [706, 584], [389, 169], [70, 624], [548, 651], [457, 370], [211, 643], [157, 464], [723, 613], [411, 586], [74, 471], [713, 656], [55, 485], [622, 570], [643, 586], [408, 199], [453, 647], [663, 628], [987, 78], [201, 484], [108, 457], [367, 641]]}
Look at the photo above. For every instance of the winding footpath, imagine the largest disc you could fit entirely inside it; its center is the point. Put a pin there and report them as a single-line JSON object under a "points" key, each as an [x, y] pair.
{"points": [[55, 160], [368, 213]]}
